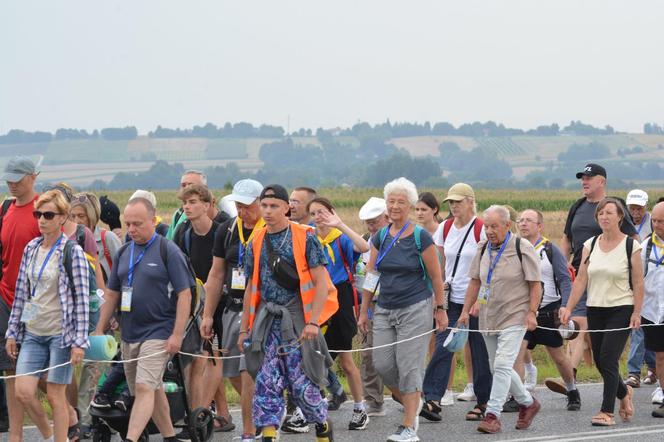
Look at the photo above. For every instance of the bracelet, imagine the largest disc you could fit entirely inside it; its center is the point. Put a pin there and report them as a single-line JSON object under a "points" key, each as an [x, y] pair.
{"points": [[313, 323], [441, 307], [244, 331]]}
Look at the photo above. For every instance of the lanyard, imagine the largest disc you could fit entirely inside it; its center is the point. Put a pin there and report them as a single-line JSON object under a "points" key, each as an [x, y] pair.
{"points": [[642, 223], [132, 264], [382, 255], [538, 242], [494, 262], [240, 252], [658, 260], [43, 266]]}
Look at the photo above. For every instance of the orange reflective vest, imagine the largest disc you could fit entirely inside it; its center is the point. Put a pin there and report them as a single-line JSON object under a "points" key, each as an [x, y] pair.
{"points": [[307, 287]]}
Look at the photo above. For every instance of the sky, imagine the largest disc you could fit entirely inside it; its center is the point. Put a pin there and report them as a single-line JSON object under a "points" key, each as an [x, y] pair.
{"points": [[305, 63]]}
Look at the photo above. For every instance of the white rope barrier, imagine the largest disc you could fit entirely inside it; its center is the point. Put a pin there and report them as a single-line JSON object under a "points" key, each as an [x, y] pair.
{"points": [[356, 350]]}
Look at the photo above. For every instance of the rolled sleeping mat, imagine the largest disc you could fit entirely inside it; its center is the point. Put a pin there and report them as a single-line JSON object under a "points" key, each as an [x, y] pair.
{"points": [[102, 348]]}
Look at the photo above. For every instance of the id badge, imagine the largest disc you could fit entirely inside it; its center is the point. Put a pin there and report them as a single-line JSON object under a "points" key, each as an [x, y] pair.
{"points": [[30, 310], [483, 297], [371, 281], [238, 281], [125, 304]]}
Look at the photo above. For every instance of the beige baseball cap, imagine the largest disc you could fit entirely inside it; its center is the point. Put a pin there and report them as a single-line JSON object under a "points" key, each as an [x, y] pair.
{"points": [[459, 191]]}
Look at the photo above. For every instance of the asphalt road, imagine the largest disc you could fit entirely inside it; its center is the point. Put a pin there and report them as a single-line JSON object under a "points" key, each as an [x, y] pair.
{"points": [[553, 423]]}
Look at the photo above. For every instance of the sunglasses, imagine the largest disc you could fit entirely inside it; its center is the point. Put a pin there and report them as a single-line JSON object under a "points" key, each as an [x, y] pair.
{"points": [[48, 216]]}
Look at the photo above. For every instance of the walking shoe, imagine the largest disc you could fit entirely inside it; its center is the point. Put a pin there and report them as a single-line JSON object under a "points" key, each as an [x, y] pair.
{"points": [[555, 385], [511, 405], [270, 434], [183, 436], [633, 380], [573, 400], [324, 432], [448, 399], [404, 434], [490, 424], [296, 424], [530, 380], [650, 379], [100, 401], [374, 410], [468, 394], [527, 414], [658, 396], [334, 401], [248, 437], [659, 412], [359, 420]]}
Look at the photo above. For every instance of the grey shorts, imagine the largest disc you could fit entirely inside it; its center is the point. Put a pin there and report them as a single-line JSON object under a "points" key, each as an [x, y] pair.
{"points": [[580, 307], [231, 321], [5, 362], [403, 364]]}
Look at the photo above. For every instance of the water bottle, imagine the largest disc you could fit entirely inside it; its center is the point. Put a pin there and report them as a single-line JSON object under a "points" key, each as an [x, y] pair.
{"points": [[170, 387], [94, 303]]}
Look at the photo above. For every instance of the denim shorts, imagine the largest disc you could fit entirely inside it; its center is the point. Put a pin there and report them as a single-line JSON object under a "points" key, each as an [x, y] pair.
{"points": [[39, 352]]}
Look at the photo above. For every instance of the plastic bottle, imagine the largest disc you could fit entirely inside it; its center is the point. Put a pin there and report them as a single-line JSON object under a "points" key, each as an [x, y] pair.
{"points": [[170, 387]]}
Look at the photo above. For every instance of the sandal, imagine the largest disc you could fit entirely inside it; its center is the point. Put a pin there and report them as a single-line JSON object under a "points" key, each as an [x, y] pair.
{"points": [[74, 431], [603, 419], [431, 411], [626, 405], [477, 413], [224, 425]]}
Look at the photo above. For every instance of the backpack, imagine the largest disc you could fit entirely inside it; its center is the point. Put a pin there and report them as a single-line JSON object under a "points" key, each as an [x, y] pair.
{"points": [[577, 204], [417, 234], [629, 247], [518, 248], [548, 250], [5, 206], [93, 299], [477, 228]]}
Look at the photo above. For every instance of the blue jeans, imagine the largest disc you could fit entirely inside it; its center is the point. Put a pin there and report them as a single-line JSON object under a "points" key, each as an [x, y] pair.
{"points": [[638, 353], [334, 385], [39, 352], [437, 374]]}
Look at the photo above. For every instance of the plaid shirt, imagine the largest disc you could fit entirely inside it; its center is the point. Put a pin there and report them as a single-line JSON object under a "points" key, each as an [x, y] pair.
{"points": [[74, 309]]}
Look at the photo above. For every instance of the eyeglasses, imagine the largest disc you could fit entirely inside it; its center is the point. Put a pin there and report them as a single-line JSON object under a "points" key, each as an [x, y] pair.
{"points": [[48, 216], [525, 221]]}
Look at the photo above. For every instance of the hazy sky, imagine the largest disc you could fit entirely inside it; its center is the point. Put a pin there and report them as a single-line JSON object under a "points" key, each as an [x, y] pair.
{"points": [[93, 64]]}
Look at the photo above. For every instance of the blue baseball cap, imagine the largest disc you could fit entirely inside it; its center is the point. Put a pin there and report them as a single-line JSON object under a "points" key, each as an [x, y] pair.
{"points": [[456, 340]]}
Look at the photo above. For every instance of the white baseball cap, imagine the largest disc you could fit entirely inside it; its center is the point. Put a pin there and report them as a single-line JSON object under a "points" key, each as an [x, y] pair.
{"points": [[637, 197], [246, 191], [373, 208], [146, 195]]}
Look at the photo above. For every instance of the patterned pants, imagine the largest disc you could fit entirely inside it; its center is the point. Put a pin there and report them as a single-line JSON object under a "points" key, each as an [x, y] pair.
{"points": [[281, 369]]}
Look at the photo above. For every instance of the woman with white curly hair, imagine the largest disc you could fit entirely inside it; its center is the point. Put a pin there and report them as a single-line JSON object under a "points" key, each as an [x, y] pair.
{"points": [[405, 270]]}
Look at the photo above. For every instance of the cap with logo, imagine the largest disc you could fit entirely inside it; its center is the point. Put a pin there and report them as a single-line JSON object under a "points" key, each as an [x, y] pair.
{"points": [[146, 195], [637, 197], [459, 192], [590, 170], [373, 208], [246, 191], [18, 167]]}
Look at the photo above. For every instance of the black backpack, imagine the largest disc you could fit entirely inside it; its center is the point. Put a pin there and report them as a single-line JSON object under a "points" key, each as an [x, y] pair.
{"points": [[577, 204], [5, 206], [629, 247]]}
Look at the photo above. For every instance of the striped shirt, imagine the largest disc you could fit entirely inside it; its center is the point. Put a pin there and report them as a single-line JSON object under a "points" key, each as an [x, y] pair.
{"points": [[74, 308]]}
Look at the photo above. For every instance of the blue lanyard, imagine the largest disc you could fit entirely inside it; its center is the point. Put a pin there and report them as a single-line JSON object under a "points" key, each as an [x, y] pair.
{"points": [[494, 262], [658, 260], [382, 255], [641, 225], [132, 264], [240, 255], [43, 266]]}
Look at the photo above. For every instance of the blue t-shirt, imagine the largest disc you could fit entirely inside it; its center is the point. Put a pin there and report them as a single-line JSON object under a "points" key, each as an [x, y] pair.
{"points": [[402, 279], [282, 243], [154, 290], [337, 270]]}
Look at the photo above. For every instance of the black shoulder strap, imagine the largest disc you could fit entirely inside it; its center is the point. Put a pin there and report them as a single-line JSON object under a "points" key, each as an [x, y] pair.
{"points": [[592, 247], [518, 249], [571, 213], [629, 246], [67, 263], [548, 249], [80, 235], [163, 250], [463, 242], [178, 214], [229, 233], [5, 206], [648, 252]]}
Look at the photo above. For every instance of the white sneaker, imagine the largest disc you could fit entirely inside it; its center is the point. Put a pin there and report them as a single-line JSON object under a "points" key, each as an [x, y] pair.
{"points": [[404, 434], [530, 380], [658, 396], [448, 399], [468, 394]]}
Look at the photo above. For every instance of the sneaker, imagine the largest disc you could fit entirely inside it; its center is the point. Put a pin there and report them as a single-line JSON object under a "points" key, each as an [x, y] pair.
{"points": [[183, 436], [658, 396], [124, 402], [248, 437], [100, 401], [490, 424], [448, 399], [334, 401], [378, 411], [270, 435], [297, 424], [359, 420], [650, 379], [556, 386], [527, 414], [633, 380], [404, 434], [530, 380], [324, 432], [511, 405], [573, 400], [468, 394]]}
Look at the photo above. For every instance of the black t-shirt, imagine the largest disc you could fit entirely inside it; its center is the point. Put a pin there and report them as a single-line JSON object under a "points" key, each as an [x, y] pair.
{"points": [[227, 246], [200, 249]]}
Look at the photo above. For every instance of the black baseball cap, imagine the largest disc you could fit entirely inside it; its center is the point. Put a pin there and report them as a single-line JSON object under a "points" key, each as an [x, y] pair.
{"points": [[275, 191], [591, 169]]}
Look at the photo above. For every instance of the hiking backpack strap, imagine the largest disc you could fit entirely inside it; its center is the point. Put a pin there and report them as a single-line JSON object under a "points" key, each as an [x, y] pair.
{"points": [[351, 278], [447, 225], [592, 247], [107, 253], [548, 250], [477, 229], [629, 247], [648, 260]]}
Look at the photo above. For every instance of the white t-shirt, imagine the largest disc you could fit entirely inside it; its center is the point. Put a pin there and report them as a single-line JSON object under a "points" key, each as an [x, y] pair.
{"points": [[550, 294], [653, 296], [451, 246]]}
